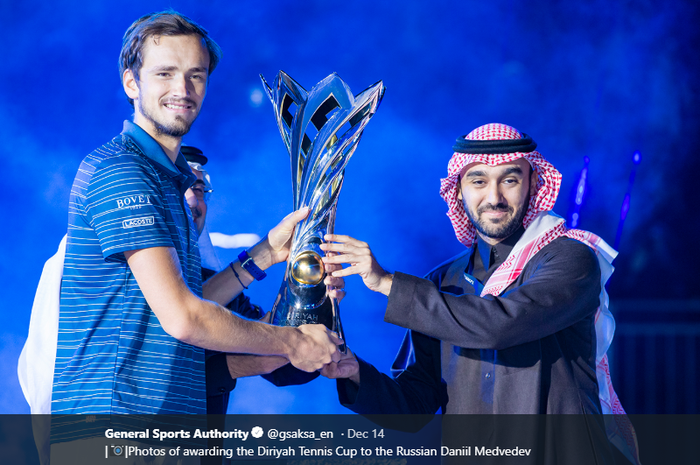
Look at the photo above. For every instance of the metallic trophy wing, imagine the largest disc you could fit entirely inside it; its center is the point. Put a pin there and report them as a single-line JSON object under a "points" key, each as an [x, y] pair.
{"points": [[321, 129]]}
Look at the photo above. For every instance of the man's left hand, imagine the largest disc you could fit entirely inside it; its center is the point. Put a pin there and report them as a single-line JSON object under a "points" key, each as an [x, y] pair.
{"points": [[274, 248], [346, 367]]}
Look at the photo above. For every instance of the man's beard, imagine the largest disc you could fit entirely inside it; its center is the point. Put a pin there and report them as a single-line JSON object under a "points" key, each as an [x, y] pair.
{"points": [[196, 219], [178, 128], [499, 230]]}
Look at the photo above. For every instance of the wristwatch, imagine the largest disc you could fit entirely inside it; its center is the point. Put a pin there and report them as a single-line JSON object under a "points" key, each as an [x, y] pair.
{"points": [[249, 265]]}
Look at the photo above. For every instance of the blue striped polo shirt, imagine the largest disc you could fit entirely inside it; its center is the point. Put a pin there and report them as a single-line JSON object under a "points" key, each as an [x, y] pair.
{"points": [[113, 355]]}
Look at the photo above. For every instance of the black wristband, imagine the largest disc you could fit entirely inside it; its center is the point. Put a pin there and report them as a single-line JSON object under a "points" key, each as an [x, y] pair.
{"points": [[236, 274], [249, 265]]}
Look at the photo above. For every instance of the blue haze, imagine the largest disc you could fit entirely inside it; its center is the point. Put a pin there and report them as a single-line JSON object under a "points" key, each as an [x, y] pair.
{"points": [[597, 78]]}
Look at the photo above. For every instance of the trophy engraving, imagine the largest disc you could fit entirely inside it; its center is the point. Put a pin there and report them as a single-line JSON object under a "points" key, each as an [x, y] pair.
{"points": [[321, 129]]}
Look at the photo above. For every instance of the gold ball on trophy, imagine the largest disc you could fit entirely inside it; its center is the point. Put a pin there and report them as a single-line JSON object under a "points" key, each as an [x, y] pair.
{"points": [[308, 268]]}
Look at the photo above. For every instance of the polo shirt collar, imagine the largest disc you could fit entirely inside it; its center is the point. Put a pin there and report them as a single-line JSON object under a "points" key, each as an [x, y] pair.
{"points": [[154, 152]]}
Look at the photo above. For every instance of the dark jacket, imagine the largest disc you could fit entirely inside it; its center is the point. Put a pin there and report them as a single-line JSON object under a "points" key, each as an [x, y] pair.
{"points": [[530, 350]]}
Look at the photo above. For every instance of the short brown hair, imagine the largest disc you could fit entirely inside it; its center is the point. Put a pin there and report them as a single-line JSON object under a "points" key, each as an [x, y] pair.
{"points": [[164, 23]]}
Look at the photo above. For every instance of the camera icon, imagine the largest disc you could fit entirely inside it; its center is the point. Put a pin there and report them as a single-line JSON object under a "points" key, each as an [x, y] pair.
{"points": [[116, 451]]}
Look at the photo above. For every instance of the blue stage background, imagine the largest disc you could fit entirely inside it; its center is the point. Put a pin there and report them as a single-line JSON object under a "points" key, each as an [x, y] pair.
{"points": [[594, 79]]}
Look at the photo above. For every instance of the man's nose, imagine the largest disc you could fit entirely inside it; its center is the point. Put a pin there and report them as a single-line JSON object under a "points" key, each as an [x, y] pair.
{"points": [[192, 201], [493, 193], [180, 87]]}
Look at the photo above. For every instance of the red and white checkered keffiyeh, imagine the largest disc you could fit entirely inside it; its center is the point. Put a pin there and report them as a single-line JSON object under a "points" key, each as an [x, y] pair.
{"points": [[548, 179], [541, 228]]}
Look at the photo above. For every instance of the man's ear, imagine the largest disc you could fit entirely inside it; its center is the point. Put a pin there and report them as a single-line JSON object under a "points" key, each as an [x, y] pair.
{"points": [[131, 85], [533, 183], [459, 188]]}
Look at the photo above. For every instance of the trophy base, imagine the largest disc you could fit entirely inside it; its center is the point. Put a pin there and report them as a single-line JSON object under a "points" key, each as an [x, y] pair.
{"points": [[290, 310]]}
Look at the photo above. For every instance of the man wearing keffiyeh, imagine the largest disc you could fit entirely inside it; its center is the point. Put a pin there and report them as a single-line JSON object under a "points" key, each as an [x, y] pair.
{"points": [[516, 324]]}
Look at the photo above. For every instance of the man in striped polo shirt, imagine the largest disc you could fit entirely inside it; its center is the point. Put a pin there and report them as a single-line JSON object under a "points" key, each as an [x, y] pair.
{"points": [[133, 318]]}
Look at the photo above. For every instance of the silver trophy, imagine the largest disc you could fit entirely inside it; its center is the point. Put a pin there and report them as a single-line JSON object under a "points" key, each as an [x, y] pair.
{"points": [[321, 130]]}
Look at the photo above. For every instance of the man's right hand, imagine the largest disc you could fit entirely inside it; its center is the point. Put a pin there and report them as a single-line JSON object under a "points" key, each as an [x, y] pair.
{"points": [[346, 367], [347, 250], [313, 347]]}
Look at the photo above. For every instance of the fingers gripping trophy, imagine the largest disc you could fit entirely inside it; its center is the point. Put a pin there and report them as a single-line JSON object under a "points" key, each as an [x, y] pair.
{"points": [[321, 129]]}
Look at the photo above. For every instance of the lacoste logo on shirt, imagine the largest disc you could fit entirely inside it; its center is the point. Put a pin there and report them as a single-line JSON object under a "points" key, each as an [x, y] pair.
{"points": [[134, 201], [137, 222]]}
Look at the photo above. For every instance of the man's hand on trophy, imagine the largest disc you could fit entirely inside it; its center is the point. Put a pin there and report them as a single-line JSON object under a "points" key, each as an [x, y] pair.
{"points": [[274, 248], [358, 255], [346, 367], [313, 346], [336, 285]]}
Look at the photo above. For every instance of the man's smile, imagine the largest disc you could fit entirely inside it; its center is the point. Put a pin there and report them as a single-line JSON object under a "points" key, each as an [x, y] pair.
{"points": [[179, 106]]}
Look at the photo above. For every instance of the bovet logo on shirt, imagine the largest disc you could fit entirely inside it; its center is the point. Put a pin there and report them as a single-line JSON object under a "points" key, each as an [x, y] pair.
{"points": [[134, 201], [138, 222]]}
